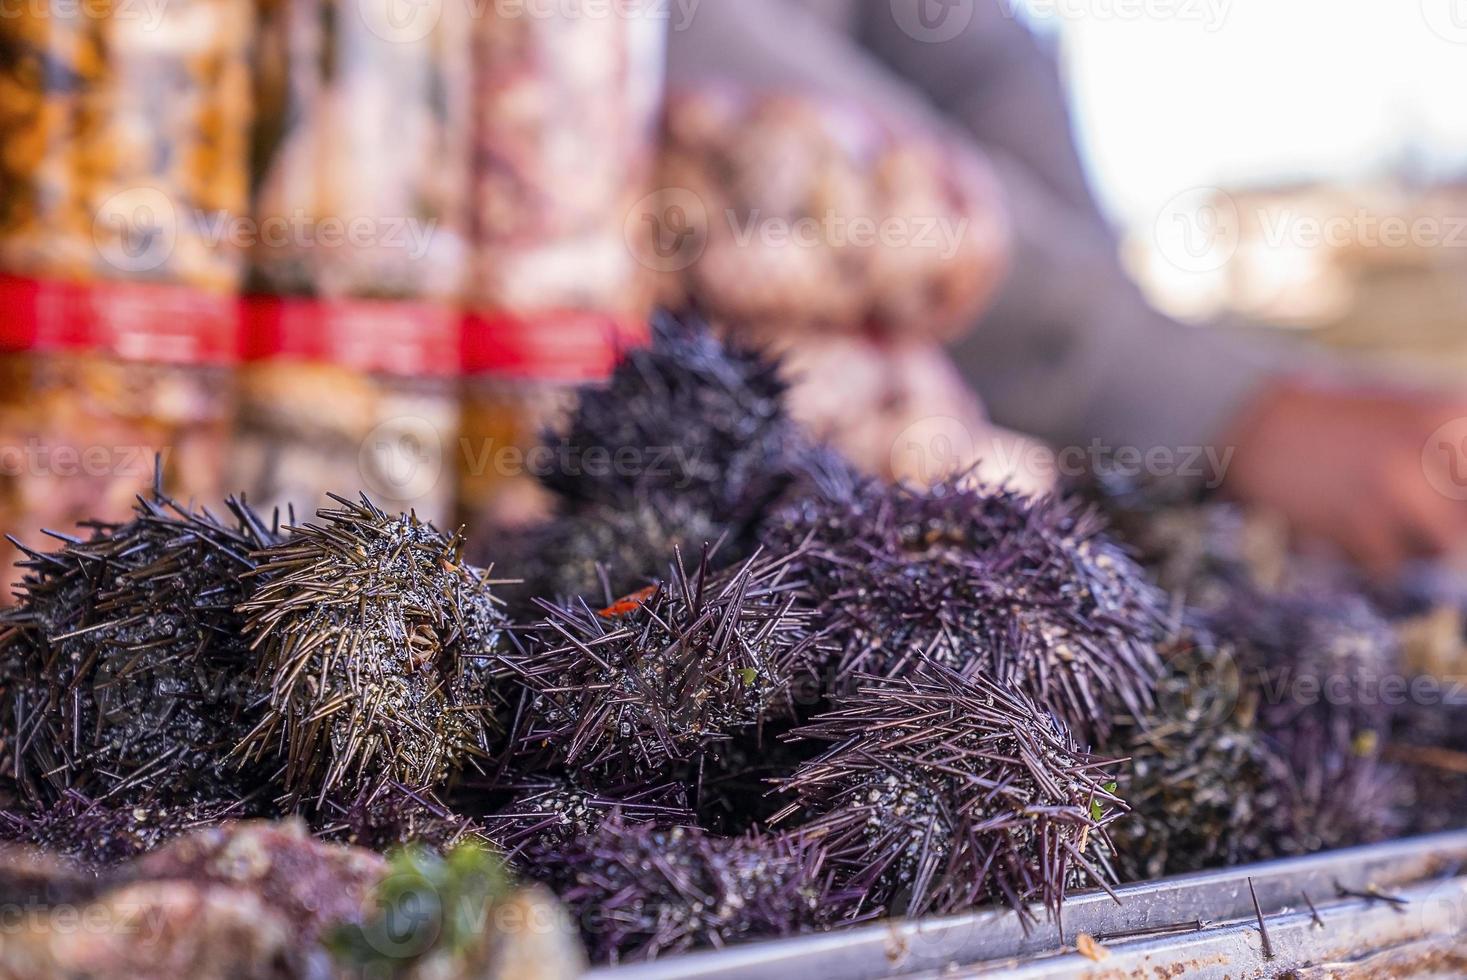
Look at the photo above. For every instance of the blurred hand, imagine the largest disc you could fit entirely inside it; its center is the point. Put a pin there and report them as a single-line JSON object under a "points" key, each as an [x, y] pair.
{"points": [[1381, 472]]}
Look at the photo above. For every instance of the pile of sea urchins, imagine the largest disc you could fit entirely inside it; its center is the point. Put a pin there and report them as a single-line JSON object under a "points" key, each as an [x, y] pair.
{"points": [[741, 691]]}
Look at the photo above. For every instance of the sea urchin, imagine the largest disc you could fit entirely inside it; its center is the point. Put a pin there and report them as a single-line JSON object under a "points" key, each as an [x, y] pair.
{"points": [[377, 643], [125, 673], [940, 791], [1028, 592], [625, 694]]}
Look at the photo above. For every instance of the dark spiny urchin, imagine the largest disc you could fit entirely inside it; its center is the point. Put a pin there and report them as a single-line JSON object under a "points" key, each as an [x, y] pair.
{"points": [[1029, 592], [1321, 656], [1200, 549], [1430, 745], [552, 811], [99, 836], [391, 815], [641, 890], [376, 643], [598, 552], [125, 672], [689, 417], [1206, 788], [627, 694], [1323, 666], [940, 791]]}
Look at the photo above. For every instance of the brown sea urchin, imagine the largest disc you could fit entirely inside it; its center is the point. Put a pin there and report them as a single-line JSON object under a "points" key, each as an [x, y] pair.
{"points": [[1321, 666], [1266, 739], [376, 647], [941, 791], [1206, 787]]}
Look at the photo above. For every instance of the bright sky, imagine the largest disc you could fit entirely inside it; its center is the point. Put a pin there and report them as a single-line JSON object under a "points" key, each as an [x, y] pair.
{"points": [[1175, 94]]}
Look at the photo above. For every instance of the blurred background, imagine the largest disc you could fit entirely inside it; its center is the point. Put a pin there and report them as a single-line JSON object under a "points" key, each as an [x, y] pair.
{"points": [[1292, 141], [296, 246]]}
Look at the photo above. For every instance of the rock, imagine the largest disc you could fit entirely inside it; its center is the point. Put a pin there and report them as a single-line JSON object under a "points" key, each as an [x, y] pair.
{"points": [[159, 929]]}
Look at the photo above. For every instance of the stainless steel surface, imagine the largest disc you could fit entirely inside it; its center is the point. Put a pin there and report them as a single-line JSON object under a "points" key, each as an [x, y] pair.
{"points": [[1352, 937], [1423, 870]]}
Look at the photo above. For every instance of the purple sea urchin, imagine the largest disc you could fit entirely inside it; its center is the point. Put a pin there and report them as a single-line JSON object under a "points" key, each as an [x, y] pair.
{"points": [[125, 673], [98, 836], [376, 646], [641, 891], [1029, 592], [623, 695], [689, 418], [940, 791], [548, 811], [598, 552]]}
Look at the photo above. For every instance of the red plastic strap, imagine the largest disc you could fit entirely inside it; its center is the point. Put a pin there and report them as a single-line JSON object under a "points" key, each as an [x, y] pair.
{"points": [[412, 339], [182, 325], [567, 345], [129, 320]]}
